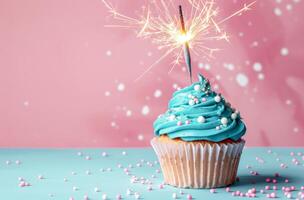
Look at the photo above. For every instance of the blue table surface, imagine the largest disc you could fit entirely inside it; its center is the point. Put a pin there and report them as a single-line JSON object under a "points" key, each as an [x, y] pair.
{"points": [[83, 176]]}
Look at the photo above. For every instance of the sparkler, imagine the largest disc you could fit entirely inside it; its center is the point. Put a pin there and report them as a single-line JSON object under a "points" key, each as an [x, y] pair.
{"points": [[160, 23]]}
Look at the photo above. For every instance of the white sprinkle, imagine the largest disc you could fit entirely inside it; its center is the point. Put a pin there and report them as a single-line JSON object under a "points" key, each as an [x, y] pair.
{"points": [[104, 154], [261, 76], [26, 103], [229, 66], [121, 87], [191, 102], [277, 11], [201, 119], [75, 188], [233, 116], [224, 121], [207, 67], [107, 93], [172, 117], [108, 53], [140, 137], [124, 153], [289, 7], [174, 196], [257, 67], [104, 197], [96, 189], [217, 98], [284, 51], [242, 79], [157, 93], [145, 110], [128, 113]]}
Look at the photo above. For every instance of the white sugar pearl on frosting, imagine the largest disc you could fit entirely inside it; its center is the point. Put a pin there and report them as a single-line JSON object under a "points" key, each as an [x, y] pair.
{"points": [[217, 98], [172, 117], [197, 87], [191, 102], [233, 116], [201, 119], [224, 121]]}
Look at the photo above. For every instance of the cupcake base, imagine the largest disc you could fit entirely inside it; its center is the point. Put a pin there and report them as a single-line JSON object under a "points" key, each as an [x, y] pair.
{"points": [[198, 164]]}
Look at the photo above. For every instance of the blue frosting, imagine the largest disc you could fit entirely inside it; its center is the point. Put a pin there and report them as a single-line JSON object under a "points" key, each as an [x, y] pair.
{"points": [[198, 113]]}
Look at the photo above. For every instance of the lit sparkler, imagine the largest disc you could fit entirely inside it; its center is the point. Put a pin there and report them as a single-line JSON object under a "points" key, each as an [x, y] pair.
{"points": [[174, 35]]}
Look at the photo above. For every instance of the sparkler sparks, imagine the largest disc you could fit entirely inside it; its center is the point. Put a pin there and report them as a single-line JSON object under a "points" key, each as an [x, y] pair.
{"points": [[164, 26]]}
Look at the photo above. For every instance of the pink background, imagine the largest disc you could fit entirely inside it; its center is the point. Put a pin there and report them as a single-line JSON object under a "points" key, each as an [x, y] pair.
{"points": [[67, 81]]}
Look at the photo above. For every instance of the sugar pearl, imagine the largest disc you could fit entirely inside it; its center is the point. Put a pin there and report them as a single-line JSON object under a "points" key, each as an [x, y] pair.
{"points": [[174, 196], [224, 121], [191, 102], [179, 123], [233, 116], [189, 196], [104, 197], [197, 87], [217, 98], [172, 117], [204, 99], [201, 119]]}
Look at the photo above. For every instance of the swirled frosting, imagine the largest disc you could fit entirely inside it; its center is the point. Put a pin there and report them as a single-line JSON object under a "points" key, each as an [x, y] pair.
{"points": [[198, 113]]}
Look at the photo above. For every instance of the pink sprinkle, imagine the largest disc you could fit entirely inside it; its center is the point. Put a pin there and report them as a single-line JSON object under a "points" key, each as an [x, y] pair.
{"points": [[233, 194], [118, 197], [287, 189], [212, 190], [237, 193], [302, 187], [71, 198], [161, 186], [267, 187], [179, 123], [204, 99], [293, 188], [286, 180], [22, 184], [274, 187], [242, 194], [85, 197], [189, 196], [299, 153], [262, 191], [187, 122], [126, 170], [268, 180], [273, 195], [268, 195], [227, 189], [292, 153], [274, 181], [302, 157], [276, 174], [252, 195]]}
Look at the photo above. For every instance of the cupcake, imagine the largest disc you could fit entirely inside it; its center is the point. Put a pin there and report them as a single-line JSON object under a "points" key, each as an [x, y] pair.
{"points": [[198, 141]]}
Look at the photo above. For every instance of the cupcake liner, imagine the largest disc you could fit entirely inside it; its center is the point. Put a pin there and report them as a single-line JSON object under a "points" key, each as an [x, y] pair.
{"points": [[198, 165]]}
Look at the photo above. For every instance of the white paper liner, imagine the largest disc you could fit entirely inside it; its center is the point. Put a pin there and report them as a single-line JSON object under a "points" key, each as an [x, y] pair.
{"points": [[198, 165]]}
